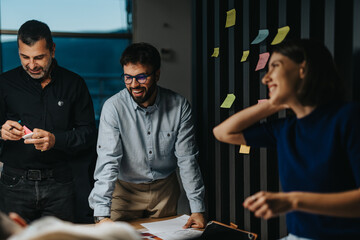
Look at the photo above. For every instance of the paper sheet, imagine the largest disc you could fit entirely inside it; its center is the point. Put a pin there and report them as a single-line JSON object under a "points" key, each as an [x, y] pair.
{"points": [[172, 229], [170, 225]]}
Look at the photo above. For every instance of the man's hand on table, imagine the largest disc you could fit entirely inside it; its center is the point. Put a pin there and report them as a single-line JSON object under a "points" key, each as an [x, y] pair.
{"points": [[105, 220], [196, 220]]}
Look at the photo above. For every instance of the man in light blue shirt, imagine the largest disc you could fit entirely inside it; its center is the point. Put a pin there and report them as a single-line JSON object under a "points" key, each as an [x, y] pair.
{"points": [[145, 133]]}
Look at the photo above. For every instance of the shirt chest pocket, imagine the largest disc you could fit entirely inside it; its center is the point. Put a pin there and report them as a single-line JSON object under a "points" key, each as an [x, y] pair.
{"points": [[167, 142]]}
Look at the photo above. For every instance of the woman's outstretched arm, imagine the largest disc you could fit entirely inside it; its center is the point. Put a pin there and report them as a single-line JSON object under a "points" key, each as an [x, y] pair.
{"points": [[267, 204]]}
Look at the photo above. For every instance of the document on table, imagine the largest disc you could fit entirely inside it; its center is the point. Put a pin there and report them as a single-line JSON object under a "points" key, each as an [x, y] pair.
{"points": [[172, 229]]}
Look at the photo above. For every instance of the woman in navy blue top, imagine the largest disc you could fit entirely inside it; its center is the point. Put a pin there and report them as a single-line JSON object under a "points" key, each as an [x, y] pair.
{"points": [[318, 148]]}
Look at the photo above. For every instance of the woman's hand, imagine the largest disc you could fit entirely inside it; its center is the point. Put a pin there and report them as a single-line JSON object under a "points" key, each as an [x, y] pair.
{"points": [[267, 204], [342, 204]]}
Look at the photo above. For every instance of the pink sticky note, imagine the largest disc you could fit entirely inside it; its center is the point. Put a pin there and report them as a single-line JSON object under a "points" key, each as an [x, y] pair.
{"points": [[262, 100], [263, 58], [27, 131]]}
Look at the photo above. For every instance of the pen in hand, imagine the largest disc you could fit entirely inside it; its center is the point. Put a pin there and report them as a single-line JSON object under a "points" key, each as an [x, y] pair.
{"points": [[13, 126]]}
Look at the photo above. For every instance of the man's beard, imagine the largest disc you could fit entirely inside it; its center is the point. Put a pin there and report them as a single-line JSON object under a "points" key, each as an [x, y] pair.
{"points": [[44, 73], [148, 94]]}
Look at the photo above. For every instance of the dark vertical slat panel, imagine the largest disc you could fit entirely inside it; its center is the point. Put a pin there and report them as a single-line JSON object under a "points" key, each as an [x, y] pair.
{"points": [[356, 51], [305, 18], [217, 96], [224, 113], [293, 13], [239, 163], [246, 102], [329, 34], [274, 184], [220, 93], [232, 158], [196, 66], [206, 149], [317, 19], [343, 41], [262, 95], [254, 96], [276, 17]]}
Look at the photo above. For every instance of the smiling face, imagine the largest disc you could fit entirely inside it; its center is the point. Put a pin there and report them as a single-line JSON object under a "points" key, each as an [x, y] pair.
{"points": [[143, 94], [282, 79], [36, 59]]}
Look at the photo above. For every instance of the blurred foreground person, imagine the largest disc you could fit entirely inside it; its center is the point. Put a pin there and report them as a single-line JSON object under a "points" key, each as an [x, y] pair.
{"points": [[51, 228]]}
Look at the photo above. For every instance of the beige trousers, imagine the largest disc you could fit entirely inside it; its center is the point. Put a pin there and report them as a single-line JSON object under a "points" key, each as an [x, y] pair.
{"points": [[156, 199]]}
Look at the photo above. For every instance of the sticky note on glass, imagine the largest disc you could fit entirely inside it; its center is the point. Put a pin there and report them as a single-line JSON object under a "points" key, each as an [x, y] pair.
{"points": [[280, 36], [263, 58], [245, 55], [228, 101], [244, 149], [230, 18], [216, 52], [262, 35]]}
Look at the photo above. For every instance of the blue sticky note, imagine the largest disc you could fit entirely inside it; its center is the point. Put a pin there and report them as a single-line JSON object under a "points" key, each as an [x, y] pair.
{"points": [[262, 35]]}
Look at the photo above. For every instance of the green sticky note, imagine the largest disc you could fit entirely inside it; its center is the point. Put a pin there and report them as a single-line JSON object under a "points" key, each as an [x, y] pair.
{"points": [[280, 36], [245, 55], [216, 52], [231, 17], [228, 101]]}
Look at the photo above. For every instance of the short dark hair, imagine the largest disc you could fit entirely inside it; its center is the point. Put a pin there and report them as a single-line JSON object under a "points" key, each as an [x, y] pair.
{"points": [[322, 83], [143, 53], [32, 31]]}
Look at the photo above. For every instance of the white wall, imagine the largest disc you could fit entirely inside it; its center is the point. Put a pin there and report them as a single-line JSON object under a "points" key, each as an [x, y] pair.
{"points": [[166, 24]]}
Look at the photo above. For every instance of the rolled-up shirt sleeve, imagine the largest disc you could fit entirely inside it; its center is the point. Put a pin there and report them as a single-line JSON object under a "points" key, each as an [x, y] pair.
{"points": [[187, 153], [110, 152]]}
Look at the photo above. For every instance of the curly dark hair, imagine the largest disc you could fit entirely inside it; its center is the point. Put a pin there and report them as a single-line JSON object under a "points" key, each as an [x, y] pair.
{"points": [[142, 53]]}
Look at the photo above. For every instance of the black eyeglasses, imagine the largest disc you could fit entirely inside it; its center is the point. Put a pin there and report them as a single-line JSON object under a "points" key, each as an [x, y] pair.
{"points": [[140, 78]]}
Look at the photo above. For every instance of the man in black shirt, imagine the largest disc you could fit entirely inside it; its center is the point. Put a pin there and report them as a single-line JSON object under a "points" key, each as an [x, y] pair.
{"points": [[55, 104]]}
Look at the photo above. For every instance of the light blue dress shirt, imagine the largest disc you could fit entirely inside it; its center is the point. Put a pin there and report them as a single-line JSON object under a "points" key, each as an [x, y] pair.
{"points": [[140, 145]]}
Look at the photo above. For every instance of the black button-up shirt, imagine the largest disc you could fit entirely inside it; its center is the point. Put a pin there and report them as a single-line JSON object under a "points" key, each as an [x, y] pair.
{"points": [[64, 108]]}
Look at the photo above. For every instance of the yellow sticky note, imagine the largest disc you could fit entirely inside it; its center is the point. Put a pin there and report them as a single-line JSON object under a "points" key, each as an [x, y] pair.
{"points": [[245, 55], [216, 52], [231, 17], [244, 149], [228, 101], [280, 36]]}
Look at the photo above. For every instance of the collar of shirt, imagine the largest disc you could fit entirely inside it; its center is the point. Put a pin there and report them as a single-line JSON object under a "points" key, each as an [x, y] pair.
{"points": [[151, 108]]}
